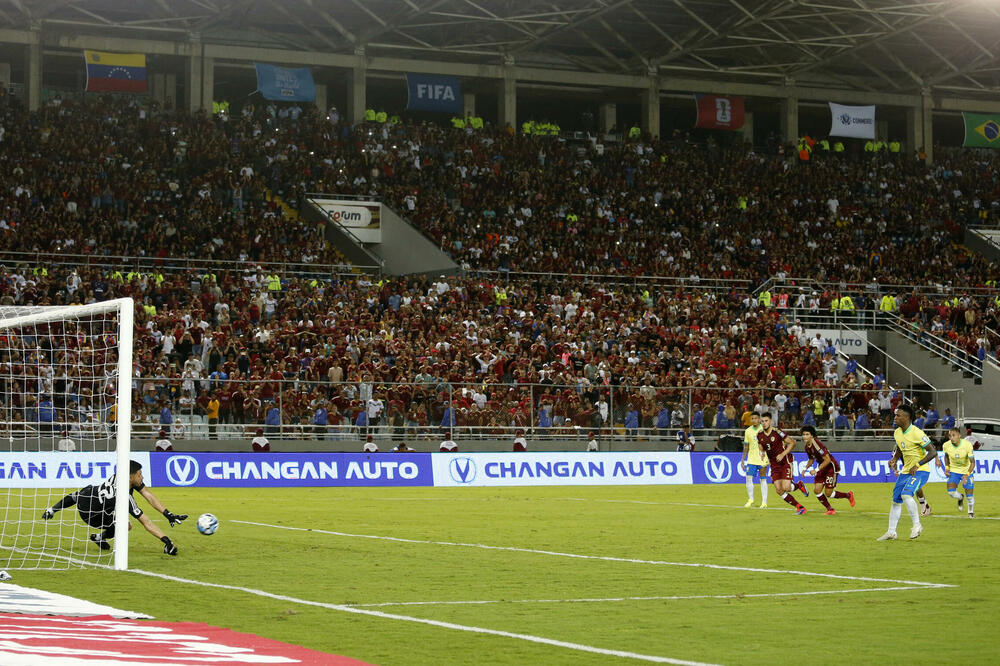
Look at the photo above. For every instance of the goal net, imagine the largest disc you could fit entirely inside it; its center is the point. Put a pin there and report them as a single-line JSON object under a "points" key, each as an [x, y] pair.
{"points": [[65, 396]]}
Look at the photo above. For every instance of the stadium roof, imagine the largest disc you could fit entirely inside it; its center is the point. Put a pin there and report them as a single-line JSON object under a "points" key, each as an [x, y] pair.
{"points": [[879, 45]]}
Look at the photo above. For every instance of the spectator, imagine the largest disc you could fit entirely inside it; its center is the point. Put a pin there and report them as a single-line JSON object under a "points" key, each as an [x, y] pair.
{"points": [[65, 443], [520, 443], [163, 442], [259, 444]]}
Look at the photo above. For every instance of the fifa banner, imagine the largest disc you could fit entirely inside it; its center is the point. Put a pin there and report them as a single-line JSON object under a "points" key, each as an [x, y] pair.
{"points": [[982, 130], [363, 219], [853, 121], [56, 469], [283, 84], [562, 469], [265, 470], [433, 93], [852, 467], [854, 343], [715, 112]]}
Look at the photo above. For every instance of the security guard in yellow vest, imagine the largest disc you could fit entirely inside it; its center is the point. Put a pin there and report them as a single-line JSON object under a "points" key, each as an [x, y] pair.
{"points": [[846, 304], [824, 145], [370, 115], [528, 127], [476, 122], [838, 147], [394, 119], [764, 299], [887, 304], [834, 304], [458, 122], [273, 282], [869, 146], [149, 309], [117, 276], [133, 276], [572, 217], [894, 146], [381, 117], [634, 132], [40, 270]]}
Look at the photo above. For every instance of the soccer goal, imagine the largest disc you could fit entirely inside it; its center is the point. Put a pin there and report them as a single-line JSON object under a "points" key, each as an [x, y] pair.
{"points": [[65, 395]]}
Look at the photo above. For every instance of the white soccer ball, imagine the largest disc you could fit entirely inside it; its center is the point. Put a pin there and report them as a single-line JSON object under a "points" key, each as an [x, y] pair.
{"points": [[207, 524]]}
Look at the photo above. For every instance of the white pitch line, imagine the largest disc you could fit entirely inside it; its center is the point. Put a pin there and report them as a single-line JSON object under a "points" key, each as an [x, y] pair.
{"points": [[664, 598], [435, 623], [604, 558]]}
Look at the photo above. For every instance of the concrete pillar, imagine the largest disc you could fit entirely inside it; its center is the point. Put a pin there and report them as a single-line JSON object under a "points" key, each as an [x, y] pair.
{"points": [[156, 87], [607, 117], [927, 117], [748, 127], [321, 97], [4, 74], [33, 72], [914, 129], [507, 100], [468, 104], [170, 91], [207, 83], [790, 119], [881, 130], [651, 108], [193, 87], [356, 93]]}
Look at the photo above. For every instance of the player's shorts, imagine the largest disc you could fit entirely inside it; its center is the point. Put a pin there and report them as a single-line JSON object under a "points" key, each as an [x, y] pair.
{"points": [[95, 513], [828, 477], [955, 478], [909, 484], [753, 471], [781, 472]]}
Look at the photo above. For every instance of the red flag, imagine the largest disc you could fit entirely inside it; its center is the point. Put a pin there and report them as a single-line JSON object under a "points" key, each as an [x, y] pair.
{"points": [[715, 112]]}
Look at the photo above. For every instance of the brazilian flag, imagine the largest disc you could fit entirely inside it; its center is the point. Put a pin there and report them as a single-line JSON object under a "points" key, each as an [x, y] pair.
{"points": [[982, 130]]}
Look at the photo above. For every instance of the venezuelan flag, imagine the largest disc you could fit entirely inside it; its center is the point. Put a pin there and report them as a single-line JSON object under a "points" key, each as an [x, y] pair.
{"points": [[115, 72]]}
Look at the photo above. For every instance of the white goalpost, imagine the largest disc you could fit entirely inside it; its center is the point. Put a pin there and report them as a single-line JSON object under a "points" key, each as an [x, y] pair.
{"points": [[66, 401]]}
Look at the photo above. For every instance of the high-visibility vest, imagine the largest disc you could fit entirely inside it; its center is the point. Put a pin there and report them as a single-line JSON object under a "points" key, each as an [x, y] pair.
{"points": [[847, 304], [476, 122], [894, 146], [741, 203], [838, 147], [370, 115], [381, 116], [273, 282], [150, 310], [395, 119], [634, 132], [825, 145], [117, 275], [40, 270], [869, 146], [765, 298], [458, 122], [835, 304], [527, 126]]}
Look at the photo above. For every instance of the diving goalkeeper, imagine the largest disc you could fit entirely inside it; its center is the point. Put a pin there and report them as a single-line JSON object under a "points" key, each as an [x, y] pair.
{"points": [[97, 508]]}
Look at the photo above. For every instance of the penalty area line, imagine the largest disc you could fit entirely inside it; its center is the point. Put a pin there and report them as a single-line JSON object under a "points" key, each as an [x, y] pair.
{"points": [[757, 595], [434, 623], [603, 558]]}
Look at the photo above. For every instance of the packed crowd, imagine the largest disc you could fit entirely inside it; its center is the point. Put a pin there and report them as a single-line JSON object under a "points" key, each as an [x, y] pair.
{"points": [[116, 178]]}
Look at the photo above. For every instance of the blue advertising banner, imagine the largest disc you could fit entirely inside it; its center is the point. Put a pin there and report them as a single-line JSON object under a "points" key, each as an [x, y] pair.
{"points": [[272, 470], [283, 84], [426, 92]]}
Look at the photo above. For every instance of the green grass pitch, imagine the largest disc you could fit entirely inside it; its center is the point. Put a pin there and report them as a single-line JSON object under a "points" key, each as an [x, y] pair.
{"points": [[629, 595]]}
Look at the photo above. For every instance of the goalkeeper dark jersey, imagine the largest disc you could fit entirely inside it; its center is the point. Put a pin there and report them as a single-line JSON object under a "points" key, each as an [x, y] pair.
{"points": [[97, 503]]}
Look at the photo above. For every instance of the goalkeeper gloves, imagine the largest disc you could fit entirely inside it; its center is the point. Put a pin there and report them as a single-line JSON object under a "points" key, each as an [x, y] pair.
{"points": [[174, 518], [168, 546], [47, 514]]}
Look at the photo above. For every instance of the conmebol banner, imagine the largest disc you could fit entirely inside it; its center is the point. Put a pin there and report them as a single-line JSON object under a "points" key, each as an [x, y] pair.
{"points": [[434, 93], [853, 121], [285, 85], [715, 112]]}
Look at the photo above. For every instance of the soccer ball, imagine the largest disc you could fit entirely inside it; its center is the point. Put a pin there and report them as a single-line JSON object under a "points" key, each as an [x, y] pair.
{"points": [[207, 524]]}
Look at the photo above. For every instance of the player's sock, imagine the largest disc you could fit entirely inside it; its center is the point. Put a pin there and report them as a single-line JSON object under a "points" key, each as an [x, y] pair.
{"points": [[895, 511], [763, 491], [839, 495], [750, 487], [823, 500], [791, 500], [971, 501], [954, 493], [923, 502], [912, 509]]}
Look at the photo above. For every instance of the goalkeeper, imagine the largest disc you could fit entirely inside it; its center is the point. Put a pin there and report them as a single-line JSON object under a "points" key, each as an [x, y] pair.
{"points": [[97, 508]]}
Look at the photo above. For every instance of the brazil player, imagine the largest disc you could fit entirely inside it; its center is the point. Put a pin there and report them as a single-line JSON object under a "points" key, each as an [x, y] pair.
{"points": [[825, 483], [916, 451], [777, 447], [96, 505], [959, 464], [754, 462]]}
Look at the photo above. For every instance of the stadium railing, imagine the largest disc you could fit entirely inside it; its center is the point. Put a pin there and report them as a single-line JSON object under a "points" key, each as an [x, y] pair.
{"points": [[417, 410]]}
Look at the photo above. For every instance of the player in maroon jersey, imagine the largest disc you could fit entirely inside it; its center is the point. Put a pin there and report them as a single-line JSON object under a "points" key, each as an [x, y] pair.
{"points": [[777, 446], [825, 484]]}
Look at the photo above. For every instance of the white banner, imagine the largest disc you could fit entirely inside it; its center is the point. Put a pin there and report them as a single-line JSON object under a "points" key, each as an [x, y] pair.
{"points": [[854, 343], [362, 218], [561, 469], [51, 469], [853, 121]]}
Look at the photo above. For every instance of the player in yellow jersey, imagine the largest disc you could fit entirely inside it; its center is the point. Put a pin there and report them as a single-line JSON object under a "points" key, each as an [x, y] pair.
{"points": [[959, 464], [916, 450], [754, 463]]}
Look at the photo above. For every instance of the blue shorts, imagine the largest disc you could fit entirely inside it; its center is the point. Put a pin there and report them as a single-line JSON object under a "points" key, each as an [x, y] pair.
{"points": [[909, 484], [955, 478], [754, 471]]}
